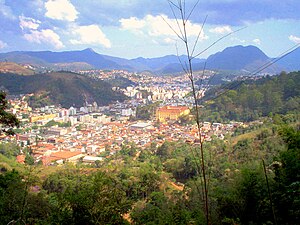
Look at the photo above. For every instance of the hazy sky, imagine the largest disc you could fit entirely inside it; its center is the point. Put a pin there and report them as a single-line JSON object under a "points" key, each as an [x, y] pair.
{"points": [[134, 28]]}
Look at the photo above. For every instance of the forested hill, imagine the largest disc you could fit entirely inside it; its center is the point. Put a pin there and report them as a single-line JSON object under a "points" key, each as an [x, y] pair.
{"points": [[250, 100], [64, 88]]}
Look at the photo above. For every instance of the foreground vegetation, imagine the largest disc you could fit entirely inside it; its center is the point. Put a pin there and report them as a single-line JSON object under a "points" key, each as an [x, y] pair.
{"points": [[160, 185]]}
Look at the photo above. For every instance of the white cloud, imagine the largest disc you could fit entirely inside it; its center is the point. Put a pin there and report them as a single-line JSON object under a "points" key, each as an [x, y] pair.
{"points": [[61, 10], [132, 23], [257, 41], [44, 37], [294, 39], [157, 26], [2, 44], [169, 41], [29, 23], [164, 41], [221, 30], [235, 39], [32, 34], [91, 34], [6, 11]]}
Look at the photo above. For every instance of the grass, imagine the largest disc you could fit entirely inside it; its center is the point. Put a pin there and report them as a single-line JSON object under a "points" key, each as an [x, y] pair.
{"points": [[10, 164], [10, 67], [249, 135]]}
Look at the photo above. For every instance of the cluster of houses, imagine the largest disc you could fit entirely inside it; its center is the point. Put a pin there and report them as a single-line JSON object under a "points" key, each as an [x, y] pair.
{"points": [[92, 133], [94, 137]]}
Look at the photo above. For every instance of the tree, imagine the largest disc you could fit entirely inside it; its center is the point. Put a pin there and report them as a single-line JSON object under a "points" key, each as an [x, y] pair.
{"points": [[11, 196], [165, 150], [159, 209], [287, 178], [97, 198], [29, 160], [10, 150], [146, 112], [7, 120], [17, 204]]}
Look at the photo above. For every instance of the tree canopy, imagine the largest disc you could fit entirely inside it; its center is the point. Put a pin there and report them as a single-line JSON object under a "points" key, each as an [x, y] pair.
{"points": [[7, 119], [249, 100]]}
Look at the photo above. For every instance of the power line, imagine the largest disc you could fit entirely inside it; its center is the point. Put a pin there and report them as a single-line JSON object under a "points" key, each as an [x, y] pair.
{"points": [[230, 86]]}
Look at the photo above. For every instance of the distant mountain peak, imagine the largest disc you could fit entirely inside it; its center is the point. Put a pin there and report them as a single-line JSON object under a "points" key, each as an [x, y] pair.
{"points": [[244, 49], [89, 50], [231, 58], [237, 58]]}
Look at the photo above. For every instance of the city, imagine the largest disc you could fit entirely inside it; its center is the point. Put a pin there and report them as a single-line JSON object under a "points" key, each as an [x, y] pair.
{"points": [[93, 132]]}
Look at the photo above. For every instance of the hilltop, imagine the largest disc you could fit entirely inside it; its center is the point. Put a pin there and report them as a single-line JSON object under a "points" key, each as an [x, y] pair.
{"points": [[64, 88], [11, 67]]}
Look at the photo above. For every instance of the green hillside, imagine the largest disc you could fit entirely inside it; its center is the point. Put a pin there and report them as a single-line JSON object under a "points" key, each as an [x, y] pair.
{"points": [[249, 100], [64, 88]]}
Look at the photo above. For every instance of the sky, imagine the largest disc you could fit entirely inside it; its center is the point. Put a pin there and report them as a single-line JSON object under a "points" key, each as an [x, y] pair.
{"points": [[147, 28]]}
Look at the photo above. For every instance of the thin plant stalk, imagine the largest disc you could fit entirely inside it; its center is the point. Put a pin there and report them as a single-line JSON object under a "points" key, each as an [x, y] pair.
{"points": [[269, 192], [188, 68]]}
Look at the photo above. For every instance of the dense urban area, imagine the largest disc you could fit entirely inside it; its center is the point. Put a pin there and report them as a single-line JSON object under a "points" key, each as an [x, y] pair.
{"points": [[91, 132]]}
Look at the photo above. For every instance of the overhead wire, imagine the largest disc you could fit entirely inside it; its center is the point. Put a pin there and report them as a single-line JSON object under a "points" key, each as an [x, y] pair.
{"points": [[232, 85]]}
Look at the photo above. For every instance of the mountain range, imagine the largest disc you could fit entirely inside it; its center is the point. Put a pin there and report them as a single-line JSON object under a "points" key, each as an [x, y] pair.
{"points": [[236, 58]]}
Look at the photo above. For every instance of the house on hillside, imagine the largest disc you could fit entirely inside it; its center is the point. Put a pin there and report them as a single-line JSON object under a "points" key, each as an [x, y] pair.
{"points": [[61, 157]]}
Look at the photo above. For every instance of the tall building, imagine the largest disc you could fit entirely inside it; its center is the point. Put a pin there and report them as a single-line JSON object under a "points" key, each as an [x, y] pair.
{"points": [[72, 111], [166, 113]]}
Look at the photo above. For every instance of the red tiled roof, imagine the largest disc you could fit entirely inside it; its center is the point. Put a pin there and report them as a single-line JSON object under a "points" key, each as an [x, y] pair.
{"points": [[172, 108], [64, 154], [20, 158]]}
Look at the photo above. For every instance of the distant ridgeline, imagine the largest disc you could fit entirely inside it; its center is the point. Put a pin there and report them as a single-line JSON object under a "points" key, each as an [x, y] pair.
{"points": [[64, 88], [235, 58], [250, 100]]}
